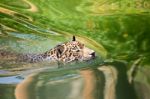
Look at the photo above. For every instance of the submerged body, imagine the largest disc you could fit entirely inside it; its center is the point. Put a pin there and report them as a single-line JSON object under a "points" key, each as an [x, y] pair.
{"points": [[65, 53]]}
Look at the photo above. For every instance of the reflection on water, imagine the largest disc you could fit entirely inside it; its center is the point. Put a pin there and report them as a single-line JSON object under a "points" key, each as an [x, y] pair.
{"points": [[115, 29], [84, 84], [104, 82]]}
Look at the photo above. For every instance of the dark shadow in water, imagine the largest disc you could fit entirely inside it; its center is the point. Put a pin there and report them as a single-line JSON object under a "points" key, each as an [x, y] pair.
{"points": [[124, 90]]}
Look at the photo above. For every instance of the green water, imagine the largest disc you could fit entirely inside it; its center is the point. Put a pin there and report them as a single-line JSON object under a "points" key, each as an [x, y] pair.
{"points": [[118, 30]]}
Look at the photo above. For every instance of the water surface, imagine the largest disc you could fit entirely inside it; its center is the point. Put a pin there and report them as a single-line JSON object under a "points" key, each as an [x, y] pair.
{"points": [[118, 30]]}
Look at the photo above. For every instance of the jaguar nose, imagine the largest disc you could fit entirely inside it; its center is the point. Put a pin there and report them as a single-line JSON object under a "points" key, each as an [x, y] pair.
{"points": [[93, 54]]}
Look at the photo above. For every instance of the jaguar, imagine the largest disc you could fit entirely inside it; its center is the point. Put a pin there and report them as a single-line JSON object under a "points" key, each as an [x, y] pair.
{"points": [[65, 53]]}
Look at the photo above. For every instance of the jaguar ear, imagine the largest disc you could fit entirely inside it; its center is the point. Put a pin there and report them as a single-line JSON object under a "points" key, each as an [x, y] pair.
{"points": [[60, 50], [73, 38]]}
